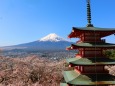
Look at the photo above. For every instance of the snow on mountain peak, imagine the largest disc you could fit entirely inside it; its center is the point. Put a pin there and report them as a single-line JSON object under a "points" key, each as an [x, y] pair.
{"points": [[52, 37]]}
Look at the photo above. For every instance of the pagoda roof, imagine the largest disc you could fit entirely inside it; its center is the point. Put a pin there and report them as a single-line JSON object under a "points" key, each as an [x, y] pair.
{"points": [[85, 44], [75, 78], [63, 84], [103, 31], [91, 61], [93, 29]]}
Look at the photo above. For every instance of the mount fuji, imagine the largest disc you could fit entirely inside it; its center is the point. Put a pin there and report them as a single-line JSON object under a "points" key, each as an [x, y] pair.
{"points": [[52, 38], [49, 42]]}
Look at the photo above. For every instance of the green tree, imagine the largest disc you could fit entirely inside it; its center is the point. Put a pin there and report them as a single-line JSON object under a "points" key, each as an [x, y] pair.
{"points": [[110, 53]]}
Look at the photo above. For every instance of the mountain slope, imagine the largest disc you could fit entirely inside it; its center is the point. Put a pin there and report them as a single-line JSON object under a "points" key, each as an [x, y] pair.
{"points": [[49, 42]]}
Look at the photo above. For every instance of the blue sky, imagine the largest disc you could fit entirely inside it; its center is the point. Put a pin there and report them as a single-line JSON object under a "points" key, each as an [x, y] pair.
{"points": [[23, 21]]}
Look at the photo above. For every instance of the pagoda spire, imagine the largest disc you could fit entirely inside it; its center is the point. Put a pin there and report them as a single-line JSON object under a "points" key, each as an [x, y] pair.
{"points": [[89, 14]]}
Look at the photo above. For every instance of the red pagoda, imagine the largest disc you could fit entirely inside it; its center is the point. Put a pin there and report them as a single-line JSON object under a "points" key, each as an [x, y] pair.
{"points": [[89, 62]]}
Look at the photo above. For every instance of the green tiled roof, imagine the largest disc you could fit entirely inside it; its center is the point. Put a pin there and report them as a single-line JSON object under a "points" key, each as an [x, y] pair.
{"points": [[94, 28], [71, 74], [94, 44], [63, 84], [91, 61], [88, 79]]}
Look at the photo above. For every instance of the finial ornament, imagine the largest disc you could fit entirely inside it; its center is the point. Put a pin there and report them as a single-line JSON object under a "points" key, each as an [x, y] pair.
{"points": [[89, 14]]}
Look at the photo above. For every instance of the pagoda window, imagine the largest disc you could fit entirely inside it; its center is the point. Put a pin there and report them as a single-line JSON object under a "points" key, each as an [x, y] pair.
{"points": [[92, 53], [92, 37], [92, 34], [93, 49], [92, 69]]}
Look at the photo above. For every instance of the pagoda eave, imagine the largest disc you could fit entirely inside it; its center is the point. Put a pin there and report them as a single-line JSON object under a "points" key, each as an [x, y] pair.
{"points": [[63, 84], [93, 29], [77, 31], [90, 45], [75, 78], [90, 61], [78, 47], [91, 64]]}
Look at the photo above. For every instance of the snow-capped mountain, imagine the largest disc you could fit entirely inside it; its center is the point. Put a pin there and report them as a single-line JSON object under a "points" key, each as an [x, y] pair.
{"points": [[53, 38], [49, 42]]}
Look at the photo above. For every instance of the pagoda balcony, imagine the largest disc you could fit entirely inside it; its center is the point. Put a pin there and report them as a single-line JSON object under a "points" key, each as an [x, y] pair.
{"points": [[90, 61], [91, 45], [93, 41], [87, 69]]}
